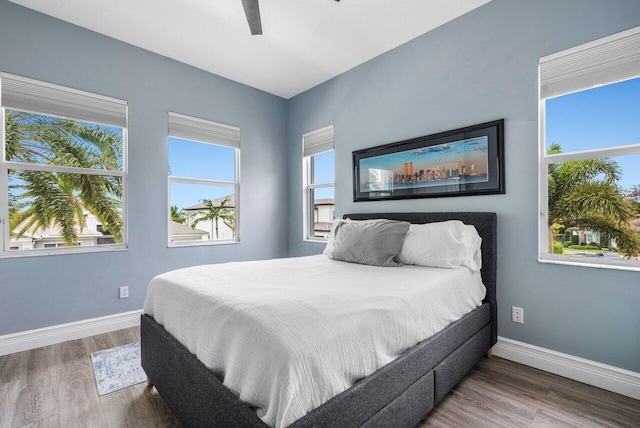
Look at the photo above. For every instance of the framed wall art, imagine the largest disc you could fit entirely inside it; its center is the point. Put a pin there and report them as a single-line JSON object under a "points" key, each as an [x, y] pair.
{"points": [[462, 162]]}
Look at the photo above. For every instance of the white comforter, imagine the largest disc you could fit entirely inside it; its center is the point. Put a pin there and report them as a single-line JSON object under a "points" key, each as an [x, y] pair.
{"points": [[289, 334]]}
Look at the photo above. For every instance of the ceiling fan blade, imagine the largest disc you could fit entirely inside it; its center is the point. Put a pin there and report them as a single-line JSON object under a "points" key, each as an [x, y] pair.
{"points": [[252, 10]]}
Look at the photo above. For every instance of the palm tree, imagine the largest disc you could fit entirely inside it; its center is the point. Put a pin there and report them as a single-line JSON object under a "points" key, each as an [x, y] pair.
{"points": [[177, 215], [585, 194], [41, 199], [216, 212]]}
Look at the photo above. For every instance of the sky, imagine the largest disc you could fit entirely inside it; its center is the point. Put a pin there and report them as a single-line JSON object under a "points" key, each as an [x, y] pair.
{"points": [[324, 172], [605, 116], [190, 159]]}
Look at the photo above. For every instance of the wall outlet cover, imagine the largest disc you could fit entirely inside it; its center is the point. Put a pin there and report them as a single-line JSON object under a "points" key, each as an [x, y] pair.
{"points": [[517, 314]]}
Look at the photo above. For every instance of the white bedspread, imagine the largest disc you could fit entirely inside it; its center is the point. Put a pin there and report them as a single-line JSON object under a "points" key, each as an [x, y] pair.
{"points": [[289, 334]]}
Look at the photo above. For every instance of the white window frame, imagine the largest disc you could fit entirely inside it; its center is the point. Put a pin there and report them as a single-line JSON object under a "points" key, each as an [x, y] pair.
{"points": [[605, 61], [203, 131], [314, 143], [37, 97]]}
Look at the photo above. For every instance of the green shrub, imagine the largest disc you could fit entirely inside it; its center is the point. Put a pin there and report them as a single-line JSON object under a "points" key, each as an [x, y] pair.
{"points": [[557, 248], [574, 239], [584, 247], [566, 244]]}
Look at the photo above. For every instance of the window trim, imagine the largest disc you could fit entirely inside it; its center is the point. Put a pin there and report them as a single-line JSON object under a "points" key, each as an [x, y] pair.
{"points": [[116, 115], [616, 74], [204, 132], [314, 143]]}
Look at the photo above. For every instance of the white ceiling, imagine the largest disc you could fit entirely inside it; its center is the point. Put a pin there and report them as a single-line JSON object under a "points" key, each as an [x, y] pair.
{"points": [[305, 42]]}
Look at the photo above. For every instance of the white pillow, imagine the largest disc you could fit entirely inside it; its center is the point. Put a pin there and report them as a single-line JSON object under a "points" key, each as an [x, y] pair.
{"points": [[332, 236], [448, 244]]}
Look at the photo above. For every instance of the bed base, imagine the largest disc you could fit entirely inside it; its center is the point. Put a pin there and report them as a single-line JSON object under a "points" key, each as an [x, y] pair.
{"points": [[399, 394]]}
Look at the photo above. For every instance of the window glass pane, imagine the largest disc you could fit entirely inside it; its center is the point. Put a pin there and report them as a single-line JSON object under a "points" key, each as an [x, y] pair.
{"points": [[323, 167], [201, 212], [594, 207], [41, 139], [54, 210], [201, 160], [601, 117], [323, 211]]}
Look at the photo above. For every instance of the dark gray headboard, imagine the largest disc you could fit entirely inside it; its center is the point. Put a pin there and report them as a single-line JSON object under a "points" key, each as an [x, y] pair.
{"points": [[486, 225]]}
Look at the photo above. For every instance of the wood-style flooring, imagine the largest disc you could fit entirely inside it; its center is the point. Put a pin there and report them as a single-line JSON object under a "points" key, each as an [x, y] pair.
{"points": [[54, 386]]}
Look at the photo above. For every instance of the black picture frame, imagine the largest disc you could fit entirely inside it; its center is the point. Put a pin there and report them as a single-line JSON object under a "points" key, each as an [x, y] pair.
{"points": [[462, 162]]}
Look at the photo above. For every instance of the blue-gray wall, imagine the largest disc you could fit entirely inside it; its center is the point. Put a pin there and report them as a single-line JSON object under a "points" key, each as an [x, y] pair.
{"points": [[481, 67], [49, 290]]}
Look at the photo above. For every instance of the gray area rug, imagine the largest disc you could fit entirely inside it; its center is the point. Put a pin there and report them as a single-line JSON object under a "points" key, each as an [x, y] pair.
{"points": [[117, 368]]}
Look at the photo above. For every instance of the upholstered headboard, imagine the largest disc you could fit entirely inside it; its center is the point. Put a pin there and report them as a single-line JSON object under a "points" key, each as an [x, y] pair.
{"points": [[486, 225]]}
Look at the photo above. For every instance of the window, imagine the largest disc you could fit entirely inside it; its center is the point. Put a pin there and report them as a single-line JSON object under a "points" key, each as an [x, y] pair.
{"points": [[318, 173], [62, 169], [204, 160], [590, 154]]}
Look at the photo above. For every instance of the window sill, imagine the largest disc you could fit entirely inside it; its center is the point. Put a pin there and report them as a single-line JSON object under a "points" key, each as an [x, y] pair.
{"points": [[591, 262], [318, 241], [189, 244], [62, 251]]}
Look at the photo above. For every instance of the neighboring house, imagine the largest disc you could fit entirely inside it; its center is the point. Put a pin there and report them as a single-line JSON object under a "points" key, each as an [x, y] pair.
{"points": [[635, 224], [323, 215], [586, 236], [226, 228], [90, 235], [182, 232]]}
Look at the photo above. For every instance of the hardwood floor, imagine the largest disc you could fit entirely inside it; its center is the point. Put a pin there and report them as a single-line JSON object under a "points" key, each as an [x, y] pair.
{"points": [[501, 393], [54, 386]]}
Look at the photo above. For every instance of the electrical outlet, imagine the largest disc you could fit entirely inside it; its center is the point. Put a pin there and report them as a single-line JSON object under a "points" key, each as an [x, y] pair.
{"points": [[517, 314], [124, 292]]}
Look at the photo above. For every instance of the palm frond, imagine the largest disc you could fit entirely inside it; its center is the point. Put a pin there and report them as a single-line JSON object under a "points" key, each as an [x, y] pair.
{"points": [[42, 199]]}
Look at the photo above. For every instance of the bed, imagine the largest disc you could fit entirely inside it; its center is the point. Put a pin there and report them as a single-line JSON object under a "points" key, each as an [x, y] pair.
{"points": [[400, 393]]}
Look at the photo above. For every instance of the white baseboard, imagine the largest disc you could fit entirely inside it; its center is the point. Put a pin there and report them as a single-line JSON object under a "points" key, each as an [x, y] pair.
{"points": [[611, 378], [30, 339]]}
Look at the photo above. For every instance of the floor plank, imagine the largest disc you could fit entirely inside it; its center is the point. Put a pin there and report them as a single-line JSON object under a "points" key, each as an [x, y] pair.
{"points": [[123, 337], [98, 342], [77, 392], [38, 397], [50, 422], [127, 408], [13, 374], [162, 414], [54, 387]]}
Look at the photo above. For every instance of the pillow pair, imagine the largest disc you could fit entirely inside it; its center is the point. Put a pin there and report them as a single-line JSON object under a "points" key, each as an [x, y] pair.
{"points": [[448, 244], [370, 242], [379, 242]]}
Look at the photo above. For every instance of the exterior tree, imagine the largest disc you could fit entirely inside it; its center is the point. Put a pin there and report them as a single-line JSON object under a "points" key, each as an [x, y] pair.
{"points": [[585, 194], [634, 197], [177, 215], [217, 212], [41, 199]]}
